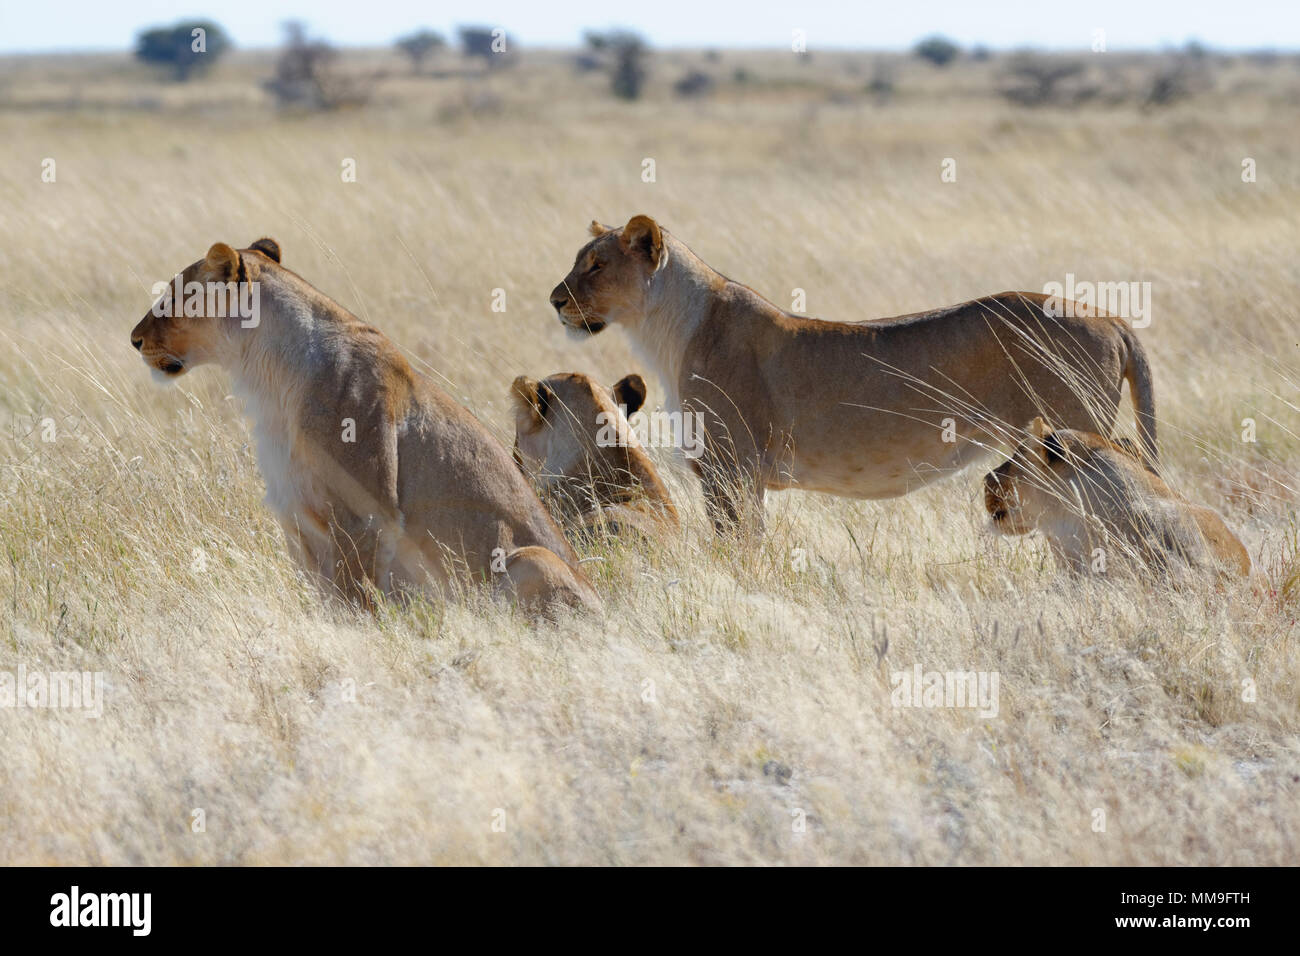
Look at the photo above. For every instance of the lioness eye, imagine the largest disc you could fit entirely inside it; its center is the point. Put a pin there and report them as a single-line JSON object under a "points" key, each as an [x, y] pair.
{"points": [[595, 267]]}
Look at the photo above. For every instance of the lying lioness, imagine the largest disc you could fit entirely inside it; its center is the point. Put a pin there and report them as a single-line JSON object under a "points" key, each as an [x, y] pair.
{"points": [[378, 477], [573, 439], [1097, 503], [868, 410]]}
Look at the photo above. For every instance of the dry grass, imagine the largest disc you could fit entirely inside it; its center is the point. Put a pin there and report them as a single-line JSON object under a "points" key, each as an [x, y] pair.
{"points": [[136, 544]]}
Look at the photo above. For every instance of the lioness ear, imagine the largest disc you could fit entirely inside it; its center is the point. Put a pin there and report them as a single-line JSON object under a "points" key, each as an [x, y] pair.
{"points": [[222, 261], [629, 391], [599, 229], [1053, 451], [1127, 446], [531, 400], [642, 233], [1047, 447], [267, 247]]}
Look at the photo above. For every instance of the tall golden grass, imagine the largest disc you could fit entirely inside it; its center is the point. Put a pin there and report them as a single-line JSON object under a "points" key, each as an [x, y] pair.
{"points": [[731, 708]]}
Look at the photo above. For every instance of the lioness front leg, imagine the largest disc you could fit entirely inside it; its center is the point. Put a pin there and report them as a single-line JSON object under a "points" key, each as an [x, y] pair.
{"points": [[311, 544], [730, 465], [733, 498], [360, 558]]}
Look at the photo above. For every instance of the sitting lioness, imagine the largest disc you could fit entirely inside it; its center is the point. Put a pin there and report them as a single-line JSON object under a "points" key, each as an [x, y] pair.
{"points": [[1096, 502], [868, 410], [378, 477], [572, 438]]}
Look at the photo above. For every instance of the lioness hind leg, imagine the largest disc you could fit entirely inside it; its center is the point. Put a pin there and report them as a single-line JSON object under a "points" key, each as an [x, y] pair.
{"points": [[315, 546], [540, 579], [357, 558]]}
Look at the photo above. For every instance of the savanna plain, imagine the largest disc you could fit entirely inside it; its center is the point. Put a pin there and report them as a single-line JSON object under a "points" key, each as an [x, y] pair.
{"points": [[734, 704]]}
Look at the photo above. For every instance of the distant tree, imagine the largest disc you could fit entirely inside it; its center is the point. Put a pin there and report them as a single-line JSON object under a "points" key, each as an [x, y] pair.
{"points": [[307, 74], [185, 48], [418, 45], [938, 50], [628, 52], [492, 44]]}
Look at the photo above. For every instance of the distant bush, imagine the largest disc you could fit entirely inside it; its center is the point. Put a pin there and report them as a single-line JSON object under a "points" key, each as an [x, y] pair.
{"points": [[307, 74], [1167, 86], [882, 82], [938, 50], [694, 83], [419, 45], [1039, 81], [185, 48], [1186, 75]]}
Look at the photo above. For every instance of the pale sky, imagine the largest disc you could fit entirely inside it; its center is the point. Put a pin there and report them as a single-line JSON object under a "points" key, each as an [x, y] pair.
{"points": [[52, 25]]}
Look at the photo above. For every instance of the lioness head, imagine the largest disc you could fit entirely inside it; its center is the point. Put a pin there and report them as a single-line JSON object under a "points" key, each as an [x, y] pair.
{"points": [[201, 307], [1012, 491], [566, 424], [609, 279], [1034, 482]]}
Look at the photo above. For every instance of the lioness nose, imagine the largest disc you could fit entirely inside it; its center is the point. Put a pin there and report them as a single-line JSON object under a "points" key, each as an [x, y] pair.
{"points": [[559, 300], [137, 343]]}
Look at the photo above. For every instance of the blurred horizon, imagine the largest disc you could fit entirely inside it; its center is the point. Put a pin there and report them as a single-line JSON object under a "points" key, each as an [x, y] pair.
{"points": [[85, 27]]}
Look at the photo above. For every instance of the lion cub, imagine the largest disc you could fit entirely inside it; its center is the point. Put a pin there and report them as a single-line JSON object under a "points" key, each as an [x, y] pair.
{"points": [[1096, 501], [572, 438]]}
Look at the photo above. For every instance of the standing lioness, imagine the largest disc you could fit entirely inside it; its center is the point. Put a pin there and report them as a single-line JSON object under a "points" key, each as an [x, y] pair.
{"points": [[868, 410], [378, 477]]}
